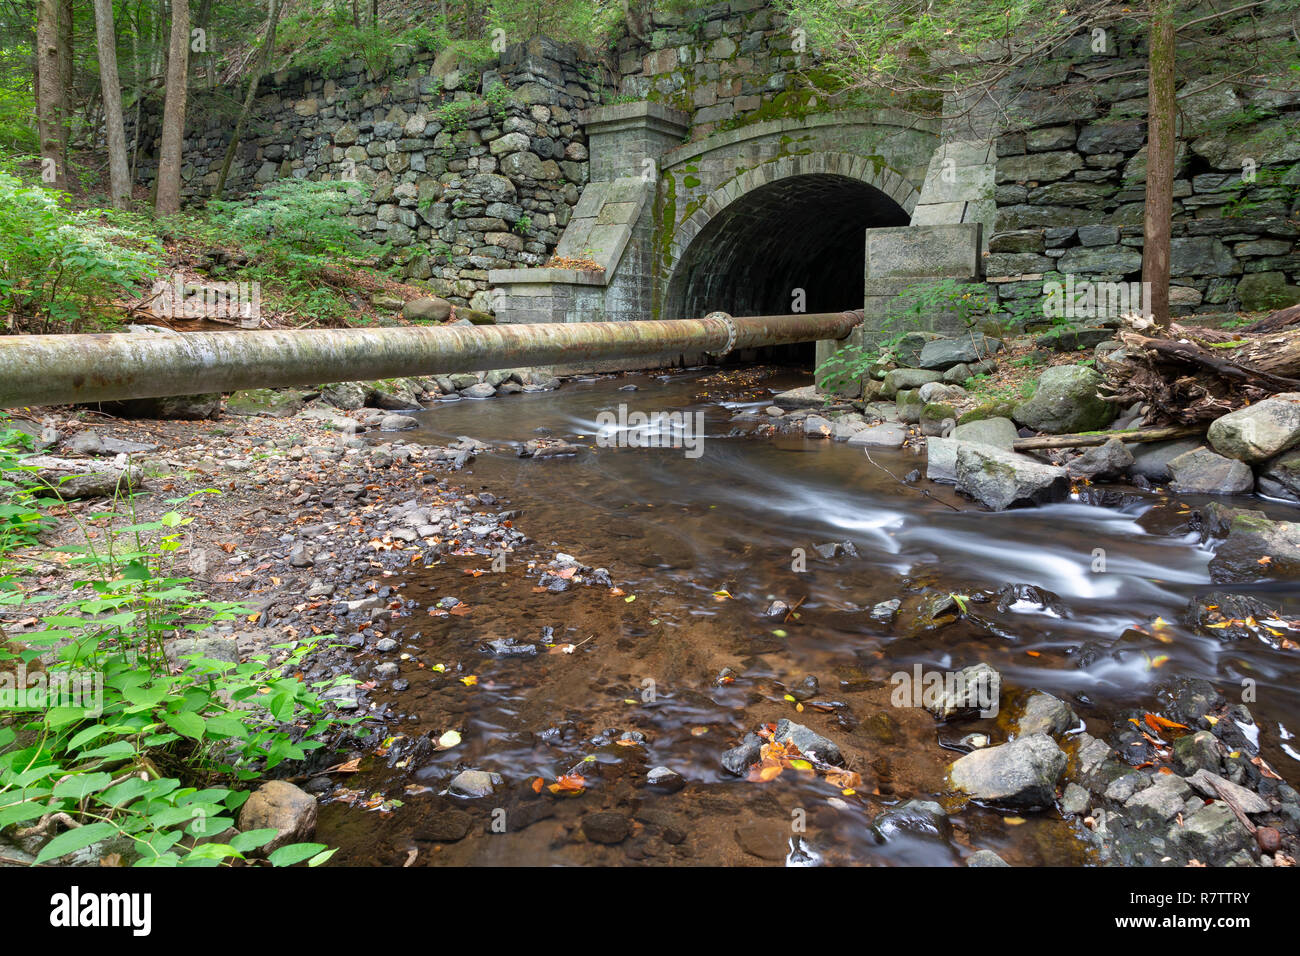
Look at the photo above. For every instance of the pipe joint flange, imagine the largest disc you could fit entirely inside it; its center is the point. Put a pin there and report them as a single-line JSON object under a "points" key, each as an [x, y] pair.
{"points": [[731, 333]]}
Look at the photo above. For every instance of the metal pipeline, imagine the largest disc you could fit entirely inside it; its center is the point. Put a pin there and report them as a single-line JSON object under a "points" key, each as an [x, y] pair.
{"points": [[66, 369]]}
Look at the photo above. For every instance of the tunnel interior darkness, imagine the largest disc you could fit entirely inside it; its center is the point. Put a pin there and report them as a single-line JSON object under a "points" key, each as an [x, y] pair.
{"points": [[804, 232]]}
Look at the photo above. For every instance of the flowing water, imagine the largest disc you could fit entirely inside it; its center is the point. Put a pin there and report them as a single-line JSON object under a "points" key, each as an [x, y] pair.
{"points": [[700, 546]]}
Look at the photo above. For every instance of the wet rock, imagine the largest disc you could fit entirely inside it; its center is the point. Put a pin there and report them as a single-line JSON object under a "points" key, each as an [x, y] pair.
{"points": [[1018, 598], [1209, 613], [1075, 800], [1280, 477], [970, 692], [805, 397], [397, 423], [279, 805], [985, 858], [806, 689], [507, 647], [664, 779], [887, 435], [777, 609], [1000, 479], [922, 818], [738, 759], [385, 671], [845, 428], [445, 826], [1251, 538], [606, 827], [385, 645], [1018, 775], [1066, 400], [1103, 461], [1198, 751], [1122, 788], [815, 426], [547, 448], [1161, 801], [1045, 714], [831, 550], [1259, 431], [479, 390], [765, 840], [1202, 472], [807, 741], [474, 783], [1209, 784], [886, 611]]}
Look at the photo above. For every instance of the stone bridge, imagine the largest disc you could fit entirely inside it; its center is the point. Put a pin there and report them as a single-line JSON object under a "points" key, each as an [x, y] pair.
{"points": [[771, 217]]}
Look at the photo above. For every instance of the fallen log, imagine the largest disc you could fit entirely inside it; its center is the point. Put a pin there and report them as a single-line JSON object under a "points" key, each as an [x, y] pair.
{"points": [[1092, 439]]}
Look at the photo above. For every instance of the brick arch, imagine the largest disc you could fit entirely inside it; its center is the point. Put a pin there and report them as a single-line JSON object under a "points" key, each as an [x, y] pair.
{"points": [[886, 180], [793, 222]]}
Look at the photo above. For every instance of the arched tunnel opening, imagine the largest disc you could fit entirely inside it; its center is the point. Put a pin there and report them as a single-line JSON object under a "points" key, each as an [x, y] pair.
{"points": [[801, 233]]}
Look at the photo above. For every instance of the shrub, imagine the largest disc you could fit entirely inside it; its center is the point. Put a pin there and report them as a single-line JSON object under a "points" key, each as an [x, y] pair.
{"points": [[59, 270]]}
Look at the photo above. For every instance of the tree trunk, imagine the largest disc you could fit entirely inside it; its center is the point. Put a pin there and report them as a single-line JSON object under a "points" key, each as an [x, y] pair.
{"points": [[268, 49], [1161, 148], [65, 75], [48, 120], [168, 201], [111, 90]]}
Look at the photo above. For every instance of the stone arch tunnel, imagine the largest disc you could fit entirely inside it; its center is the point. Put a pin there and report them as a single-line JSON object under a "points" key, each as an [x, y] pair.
{"points": [[803, 232]]}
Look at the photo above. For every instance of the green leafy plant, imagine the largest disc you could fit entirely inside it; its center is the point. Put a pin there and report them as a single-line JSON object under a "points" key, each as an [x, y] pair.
{"points": [[60, 270], [126, 749]]}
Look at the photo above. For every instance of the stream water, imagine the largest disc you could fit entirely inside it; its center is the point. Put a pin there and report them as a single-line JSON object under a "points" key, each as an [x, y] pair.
{"points": [[700, 546]]}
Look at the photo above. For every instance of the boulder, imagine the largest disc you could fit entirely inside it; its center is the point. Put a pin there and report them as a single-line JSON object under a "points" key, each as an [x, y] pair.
{"points": [[923, 818], [279, 805], [998, 432], [1151, 459], [1020, 775], [887, 435], [1001, 479], [429, 309], [941, 459], [1065, 401], [1280, 478], [805, 397], [1202, 472], [1045, 714], [275, 403], [906, 379], [945, 353], [1101, 461], [395, 423], [1260, 431]]}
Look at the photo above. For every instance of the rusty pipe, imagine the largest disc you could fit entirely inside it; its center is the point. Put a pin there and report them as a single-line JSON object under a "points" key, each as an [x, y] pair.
{"points": [[66, 369]]}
